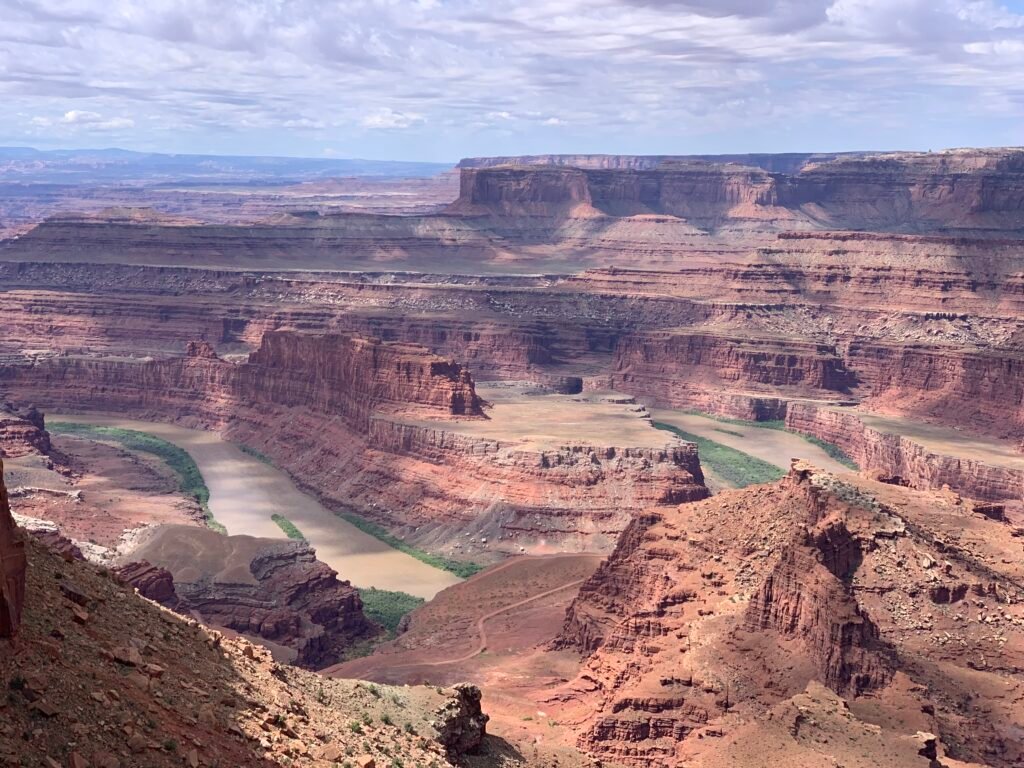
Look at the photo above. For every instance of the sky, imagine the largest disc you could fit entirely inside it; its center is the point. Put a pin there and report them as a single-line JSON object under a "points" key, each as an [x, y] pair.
{"points": [[436, 80]]}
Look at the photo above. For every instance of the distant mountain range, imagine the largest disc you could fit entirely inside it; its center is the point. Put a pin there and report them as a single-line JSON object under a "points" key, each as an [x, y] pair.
{"points": [[119, 166]]}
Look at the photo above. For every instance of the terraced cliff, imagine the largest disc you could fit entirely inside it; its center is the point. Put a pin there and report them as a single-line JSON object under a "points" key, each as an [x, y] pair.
{"points": [[362, 423]]}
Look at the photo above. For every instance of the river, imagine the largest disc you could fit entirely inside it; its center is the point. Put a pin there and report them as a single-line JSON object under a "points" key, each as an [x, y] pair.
{"points": [[245, 492]]}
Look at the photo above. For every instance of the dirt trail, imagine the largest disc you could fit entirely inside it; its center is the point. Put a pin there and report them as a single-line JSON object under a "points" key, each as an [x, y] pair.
{"points": [[482, 646], [245, 492]]}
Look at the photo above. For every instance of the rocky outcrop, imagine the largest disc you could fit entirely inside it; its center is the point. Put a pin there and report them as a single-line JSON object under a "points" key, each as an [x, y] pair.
{"points": [[807, 596], [461, 723], [264, 588], [707, 616], [152, 582], [12, 567], [903, 459], [23, 433]]}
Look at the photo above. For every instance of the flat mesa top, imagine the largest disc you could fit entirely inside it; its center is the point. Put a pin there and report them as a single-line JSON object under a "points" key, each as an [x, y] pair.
{"points": [[549, 421], [947, 441]]}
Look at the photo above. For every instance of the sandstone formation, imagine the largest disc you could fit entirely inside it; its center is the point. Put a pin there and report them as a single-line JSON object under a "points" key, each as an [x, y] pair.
{"points": [[906, 461], [23, 433], [12, 567], [706, 618], [267, 589], [968, 189], [152, 582], [362, 423]]}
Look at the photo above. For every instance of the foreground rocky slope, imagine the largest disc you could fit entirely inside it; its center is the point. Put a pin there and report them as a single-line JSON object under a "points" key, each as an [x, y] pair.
{"points": [[99, 676], [789, 615]]}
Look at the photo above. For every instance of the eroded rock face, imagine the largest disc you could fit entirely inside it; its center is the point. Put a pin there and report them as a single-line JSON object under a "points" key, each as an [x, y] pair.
{"points": [[679, 368], [23, 432], [958, 189], [362, 423], [707, 616], [275, 590], [152, 582], [902, 459], [461, 724], [12, 567]]}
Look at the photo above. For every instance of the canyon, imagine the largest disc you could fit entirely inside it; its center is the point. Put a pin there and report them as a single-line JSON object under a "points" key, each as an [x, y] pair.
{"points": [[481, 375]]}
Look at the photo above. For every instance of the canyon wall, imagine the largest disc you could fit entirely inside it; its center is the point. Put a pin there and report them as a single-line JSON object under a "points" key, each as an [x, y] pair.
{"points": [[680, 368], [12, 567], [904, 460], [961, 189], [368, 427], [982, 388]]}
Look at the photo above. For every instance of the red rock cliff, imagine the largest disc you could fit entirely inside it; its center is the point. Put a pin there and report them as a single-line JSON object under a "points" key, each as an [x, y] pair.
{"points": [[361, 424], [12, 567], [706, 616]]}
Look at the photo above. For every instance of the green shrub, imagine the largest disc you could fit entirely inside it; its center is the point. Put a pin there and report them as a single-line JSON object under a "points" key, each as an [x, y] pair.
{"points": [[288, 527], [386, 607], [734, 467]]}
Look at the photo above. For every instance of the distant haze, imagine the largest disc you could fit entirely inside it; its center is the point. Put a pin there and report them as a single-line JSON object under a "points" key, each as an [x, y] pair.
{"points": [[428, 80]]}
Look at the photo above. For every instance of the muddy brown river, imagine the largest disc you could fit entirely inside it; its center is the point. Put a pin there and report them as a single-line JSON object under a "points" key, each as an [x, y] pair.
{"points": [[245, 492]]}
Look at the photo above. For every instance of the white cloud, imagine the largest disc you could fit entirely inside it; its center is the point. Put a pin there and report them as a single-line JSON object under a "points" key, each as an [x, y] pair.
{"points": [[657, 72], [389, 119], [94, 121]]}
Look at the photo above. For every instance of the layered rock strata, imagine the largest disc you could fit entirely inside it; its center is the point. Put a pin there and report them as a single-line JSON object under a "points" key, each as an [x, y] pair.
{"points": [[362, 424], [12, 567], [267, 589], [904, 460], [681, 368]]}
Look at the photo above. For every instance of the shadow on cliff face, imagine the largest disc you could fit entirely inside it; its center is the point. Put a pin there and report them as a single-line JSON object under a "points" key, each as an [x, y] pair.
{"points": [[496, 752]]}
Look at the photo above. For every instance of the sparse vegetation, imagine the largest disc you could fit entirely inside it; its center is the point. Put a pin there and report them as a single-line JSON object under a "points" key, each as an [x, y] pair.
{"points": [[191, 481], [460, 568], [734, 467], [386, 607], [289, 528], [261, 457], [833, 450]]}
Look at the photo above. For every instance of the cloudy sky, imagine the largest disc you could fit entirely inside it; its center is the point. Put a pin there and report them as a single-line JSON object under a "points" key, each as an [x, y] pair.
{"points": [[442, 79]]}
